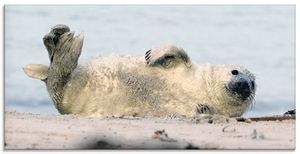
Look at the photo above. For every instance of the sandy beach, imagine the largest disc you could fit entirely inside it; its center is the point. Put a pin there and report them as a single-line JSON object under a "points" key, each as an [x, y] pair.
{"points": [[38, 131]]}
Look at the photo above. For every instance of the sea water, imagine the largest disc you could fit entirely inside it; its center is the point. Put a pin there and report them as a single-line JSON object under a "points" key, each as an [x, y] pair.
{"points": [[261, 38]]}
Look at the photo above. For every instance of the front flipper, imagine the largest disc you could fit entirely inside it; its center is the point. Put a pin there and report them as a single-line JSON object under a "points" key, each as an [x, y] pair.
{"points": [[167, 56], [205, 109]]}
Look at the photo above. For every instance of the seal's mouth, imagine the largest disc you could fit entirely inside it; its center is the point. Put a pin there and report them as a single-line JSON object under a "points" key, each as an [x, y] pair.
{"points": [[241, 89]]}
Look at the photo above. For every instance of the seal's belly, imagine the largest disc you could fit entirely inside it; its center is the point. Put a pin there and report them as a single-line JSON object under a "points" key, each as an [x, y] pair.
{"points": [[118, 89]]}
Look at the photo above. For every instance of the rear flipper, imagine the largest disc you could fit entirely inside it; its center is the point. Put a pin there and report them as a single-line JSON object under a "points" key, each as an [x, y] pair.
{"points": [[36, 71], [64, 50]]}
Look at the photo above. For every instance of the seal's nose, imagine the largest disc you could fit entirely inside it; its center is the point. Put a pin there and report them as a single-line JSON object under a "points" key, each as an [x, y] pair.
{"points": [[241, 87]]}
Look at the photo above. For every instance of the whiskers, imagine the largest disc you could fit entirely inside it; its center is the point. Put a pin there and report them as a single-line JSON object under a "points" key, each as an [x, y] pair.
{"points": [[222, 86], [252, 101], [236, 95]]}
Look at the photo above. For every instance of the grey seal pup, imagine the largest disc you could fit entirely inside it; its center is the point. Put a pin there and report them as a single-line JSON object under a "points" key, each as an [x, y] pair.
{"points": [[162, 83]]}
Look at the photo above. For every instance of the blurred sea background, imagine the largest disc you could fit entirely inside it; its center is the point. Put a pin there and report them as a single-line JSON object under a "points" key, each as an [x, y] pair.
{"points": [[259, 37]]}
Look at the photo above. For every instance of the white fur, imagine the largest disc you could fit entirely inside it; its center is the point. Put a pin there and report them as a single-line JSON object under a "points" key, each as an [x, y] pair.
{"points": [[124, 85]]}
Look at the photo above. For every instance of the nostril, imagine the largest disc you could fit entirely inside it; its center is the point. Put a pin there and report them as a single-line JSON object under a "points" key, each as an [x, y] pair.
{"points": [[234, 72], [252, 84]]}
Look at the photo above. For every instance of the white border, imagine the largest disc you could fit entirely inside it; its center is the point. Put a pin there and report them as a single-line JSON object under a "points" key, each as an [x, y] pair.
{"points": [[207, 2], [149, 1]]}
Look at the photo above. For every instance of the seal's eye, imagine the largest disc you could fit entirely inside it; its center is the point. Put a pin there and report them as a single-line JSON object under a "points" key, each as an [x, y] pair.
{"points": [[234, 72]]}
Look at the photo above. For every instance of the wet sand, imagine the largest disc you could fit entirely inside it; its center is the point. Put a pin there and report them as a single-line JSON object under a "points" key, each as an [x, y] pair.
{"points": [[38, 131]]}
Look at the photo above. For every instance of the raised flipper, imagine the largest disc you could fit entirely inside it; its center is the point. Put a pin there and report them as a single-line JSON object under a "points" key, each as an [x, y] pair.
{"points": [[51, 39], [167, 56], [64, 50]]}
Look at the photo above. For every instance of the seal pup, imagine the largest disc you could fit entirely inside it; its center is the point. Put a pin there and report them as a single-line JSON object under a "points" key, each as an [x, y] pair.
{"points": [[163, 83]]}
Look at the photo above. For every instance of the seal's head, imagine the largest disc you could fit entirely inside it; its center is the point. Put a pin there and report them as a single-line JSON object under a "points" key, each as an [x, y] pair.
{"points": [[233, 89], [241, 85]]}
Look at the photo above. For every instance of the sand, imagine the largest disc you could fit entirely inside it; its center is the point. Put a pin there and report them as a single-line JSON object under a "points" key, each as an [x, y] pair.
{"points": [[41, 131]]}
